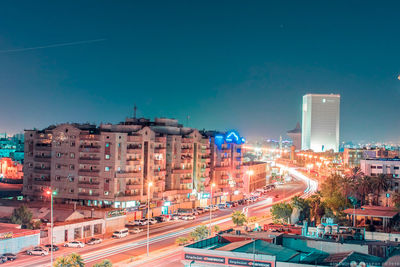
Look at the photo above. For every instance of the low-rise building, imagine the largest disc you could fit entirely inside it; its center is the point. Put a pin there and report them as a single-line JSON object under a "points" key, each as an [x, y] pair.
{"points": [[377, 166], [255, 175], [13, 239]]}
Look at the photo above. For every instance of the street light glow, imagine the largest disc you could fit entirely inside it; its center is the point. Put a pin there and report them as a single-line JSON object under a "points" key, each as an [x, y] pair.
{"points": [[150, 184]]}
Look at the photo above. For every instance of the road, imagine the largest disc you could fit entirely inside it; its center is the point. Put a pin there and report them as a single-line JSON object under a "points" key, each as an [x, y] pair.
{"points": [[163, 235]]}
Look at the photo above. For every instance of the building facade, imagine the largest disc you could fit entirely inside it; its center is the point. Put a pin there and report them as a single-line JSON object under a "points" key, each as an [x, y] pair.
{"points": [[255, 176], [375, 167], [320, 125], [295, 135], [113, 164]]}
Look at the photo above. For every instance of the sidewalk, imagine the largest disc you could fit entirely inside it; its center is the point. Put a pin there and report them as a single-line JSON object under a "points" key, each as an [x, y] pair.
{"points": [[154, 255]]}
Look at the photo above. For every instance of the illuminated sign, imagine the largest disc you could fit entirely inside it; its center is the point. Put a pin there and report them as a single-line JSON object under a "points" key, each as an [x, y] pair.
{"points": [[115, 213], [205, 258], [7, 235], [167, 203], [243, 262]]}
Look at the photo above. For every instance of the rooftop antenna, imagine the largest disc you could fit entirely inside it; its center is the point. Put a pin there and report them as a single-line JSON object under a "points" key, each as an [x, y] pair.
{"points": [[134, 111]]}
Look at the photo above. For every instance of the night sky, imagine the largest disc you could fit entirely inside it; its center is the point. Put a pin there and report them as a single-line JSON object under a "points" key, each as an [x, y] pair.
{"points": [[226, 64]]}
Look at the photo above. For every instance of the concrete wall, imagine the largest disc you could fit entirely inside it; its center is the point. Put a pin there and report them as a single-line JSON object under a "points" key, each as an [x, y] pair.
{"points": [[15, 245], [115, 223], [382, 236]]}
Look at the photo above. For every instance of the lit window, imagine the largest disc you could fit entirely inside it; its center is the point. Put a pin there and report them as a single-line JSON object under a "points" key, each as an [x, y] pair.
{"points": [[72, 155], [107, 156], [107, 144], [107, 169]]}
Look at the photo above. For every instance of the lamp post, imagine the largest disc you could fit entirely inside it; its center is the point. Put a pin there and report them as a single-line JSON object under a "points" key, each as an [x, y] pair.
{"points": [[211, 204], [150, 184], [51, 193]]}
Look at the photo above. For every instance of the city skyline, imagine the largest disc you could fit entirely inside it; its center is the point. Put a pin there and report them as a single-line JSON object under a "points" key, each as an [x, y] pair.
{"points": [[228, 67]]}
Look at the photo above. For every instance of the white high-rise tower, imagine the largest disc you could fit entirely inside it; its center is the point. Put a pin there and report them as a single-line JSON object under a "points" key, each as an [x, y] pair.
{"points": [[320, 126]]}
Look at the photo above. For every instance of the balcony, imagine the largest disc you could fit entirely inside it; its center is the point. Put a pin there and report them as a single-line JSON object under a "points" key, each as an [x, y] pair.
{"points": [[134, 150], [187, 140], [87, 172], [90, 137], [133, 186], [161, 139], [88, 160], [128, 174], [39, 181], [180, 171], [159, 149], [87, 184], [43, 158], [42, 170], [89, 149], [186, 180], [133, 162], [186, 150], [222, 168], [159, 172], [43, 147], [87, 194]]}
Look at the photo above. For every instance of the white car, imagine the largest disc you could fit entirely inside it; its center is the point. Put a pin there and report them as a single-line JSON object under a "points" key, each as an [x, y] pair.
{"points": [[135, 230], [94, 241], [188, 217], [38, 251], [152, 221], [74, 244]]}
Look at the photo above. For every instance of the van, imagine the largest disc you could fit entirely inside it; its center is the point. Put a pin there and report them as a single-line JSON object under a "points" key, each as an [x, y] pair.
{"points": [[121, 233]]}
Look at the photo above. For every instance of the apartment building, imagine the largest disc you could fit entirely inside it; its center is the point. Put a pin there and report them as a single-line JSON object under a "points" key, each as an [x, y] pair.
{"points": [[377, 166], [254, 176], [113, 164]]}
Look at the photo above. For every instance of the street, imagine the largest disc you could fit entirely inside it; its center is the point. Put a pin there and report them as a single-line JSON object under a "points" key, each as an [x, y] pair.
{"points": [[163, 235]]}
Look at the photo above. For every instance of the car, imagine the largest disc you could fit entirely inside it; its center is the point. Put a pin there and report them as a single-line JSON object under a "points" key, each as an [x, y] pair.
{"points": [[152, 221], [159, 219], [10, 256], [175, 217], [135, 230], [188, 217], [221, 206], [200, 210], [3, 259], [48, 246], [94, 241], [38, 251], [74, 244], [121, 233]]}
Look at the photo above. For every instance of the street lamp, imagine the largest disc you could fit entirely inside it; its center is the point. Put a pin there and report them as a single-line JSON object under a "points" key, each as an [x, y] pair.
{"points": [[51, 193], [150, 184], [211, 203]]}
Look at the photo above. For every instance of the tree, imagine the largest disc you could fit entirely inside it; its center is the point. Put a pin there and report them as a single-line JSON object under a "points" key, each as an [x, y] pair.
{"points": [[302, 205], [281, 212], [238, 218], [181, 240], [317, 209], [380, 183], [72, 260], [252, 219], [216, 228], [104, 263], [22, 216], [396, 200], [199, 233]]}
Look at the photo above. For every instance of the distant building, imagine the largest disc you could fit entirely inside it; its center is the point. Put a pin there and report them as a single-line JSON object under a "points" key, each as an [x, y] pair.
{"points": [[320, 126], [295, 135], [10, 169], [352, 156], [254, 175], [377, 166], [12, 147]]}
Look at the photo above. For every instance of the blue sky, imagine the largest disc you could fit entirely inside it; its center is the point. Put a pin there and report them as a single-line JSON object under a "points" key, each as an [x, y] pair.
{"points": [[226, 64]]}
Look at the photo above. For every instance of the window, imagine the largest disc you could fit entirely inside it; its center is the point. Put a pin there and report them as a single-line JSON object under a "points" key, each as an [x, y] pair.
{"points": [[106, 193], [379, 167], [72, 155], [107, 144], [107, 181], [71, 179], [58, 155], [107, 169], [58, 166], [71, 190], [72, 167], [373, 167], [58, 178], [107, 156], [396, 167]]}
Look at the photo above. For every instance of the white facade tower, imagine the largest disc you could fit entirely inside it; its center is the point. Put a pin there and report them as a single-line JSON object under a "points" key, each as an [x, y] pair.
{"points": [[320, 126]]}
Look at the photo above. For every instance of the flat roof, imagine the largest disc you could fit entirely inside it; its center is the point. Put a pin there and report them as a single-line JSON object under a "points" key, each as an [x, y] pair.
{"points": [[383, 159], [371, 212]]}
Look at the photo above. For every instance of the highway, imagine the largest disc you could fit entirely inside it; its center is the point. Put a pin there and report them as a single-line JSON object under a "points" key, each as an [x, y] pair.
{"points": [[163, 235]]}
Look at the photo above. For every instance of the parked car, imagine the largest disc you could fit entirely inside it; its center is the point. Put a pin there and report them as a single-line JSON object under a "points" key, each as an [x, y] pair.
{"points": [[188, 217], [135, 230], [48, 246], [200, 210], [221, 206], [166, 217], [159, 219], [152, 221], [121, 233], [38, 251], [175, 217], [94, 241], [74, 244], [3, 259], [10, 256]]}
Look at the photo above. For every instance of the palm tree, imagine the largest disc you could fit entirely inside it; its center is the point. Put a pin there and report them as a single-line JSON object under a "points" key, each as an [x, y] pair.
{"points": [[364, 186], [238, 218], [380, 182], [70, 260], [317, 209]]}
